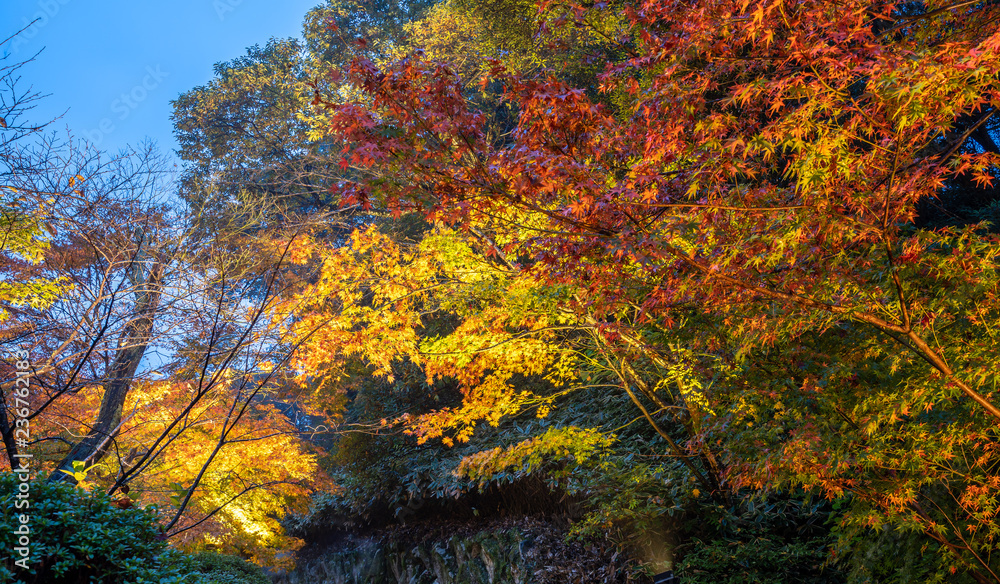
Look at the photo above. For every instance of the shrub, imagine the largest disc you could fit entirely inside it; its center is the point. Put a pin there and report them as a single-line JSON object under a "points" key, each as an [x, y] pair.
{"points": [[779, 539], [80, 537], [223, 569]]}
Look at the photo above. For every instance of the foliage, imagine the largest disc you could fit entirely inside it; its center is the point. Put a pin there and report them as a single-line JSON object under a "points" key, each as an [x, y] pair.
{"points": [[244, 142], [890, 555], [371, 300], [197, 430], [553, 444], [759, 229], [767, 539], [23, 245], [369, 28], [264, 471], [750, 202], [24, 233], [222, 569], [83, 537]]}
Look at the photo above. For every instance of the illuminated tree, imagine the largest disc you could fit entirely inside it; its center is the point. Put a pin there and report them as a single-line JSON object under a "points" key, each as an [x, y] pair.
{"points": [[764, 168], [146, 367]]}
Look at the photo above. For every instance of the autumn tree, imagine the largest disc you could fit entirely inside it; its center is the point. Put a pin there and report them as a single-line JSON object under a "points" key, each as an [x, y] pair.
{"points": [[249, 137], [149, 369], [766, 170], [23, 238], [242, 138]]}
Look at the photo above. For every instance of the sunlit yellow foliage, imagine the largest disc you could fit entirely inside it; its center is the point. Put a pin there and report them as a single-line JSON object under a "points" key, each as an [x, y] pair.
{"points": [[370, 300], [23, 242], [468, 34], [580, 444], [262, 471]]}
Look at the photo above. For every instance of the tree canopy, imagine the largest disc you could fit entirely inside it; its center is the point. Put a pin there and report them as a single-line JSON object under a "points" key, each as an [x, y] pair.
{"points": [[720, 271]]}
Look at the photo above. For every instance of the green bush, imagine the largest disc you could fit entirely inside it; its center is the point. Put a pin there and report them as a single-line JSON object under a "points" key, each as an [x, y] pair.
{"points": [[78, 537], [222, 569], [892, 555], [783, 538]]}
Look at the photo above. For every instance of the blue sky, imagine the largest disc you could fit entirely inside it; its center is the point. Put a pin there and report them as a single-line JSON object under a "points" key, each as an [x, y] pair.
{"points": [[116, 65]]}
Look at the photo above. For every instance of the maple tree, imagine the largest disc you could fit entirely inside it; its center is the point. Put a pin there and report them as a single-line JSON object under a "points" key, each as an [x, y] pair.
{"points": [[763, 165]]}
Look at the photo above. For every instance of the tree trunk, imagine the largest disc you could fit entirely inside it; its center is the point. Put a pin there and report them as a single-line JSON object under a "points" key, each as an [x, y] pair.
{"points": [[7, 431], [134, 339]]}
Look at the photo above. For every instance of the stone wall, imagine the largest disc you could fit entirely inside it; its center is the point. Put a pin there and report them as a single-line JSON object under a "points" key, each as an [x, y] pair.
{"points": [[528, 551]]}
